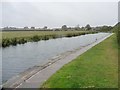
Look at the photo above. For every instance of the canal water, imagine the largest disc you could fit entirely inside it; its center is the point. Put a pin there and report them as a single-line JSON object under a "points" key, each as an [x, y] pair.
{"points": [[16, 59]]}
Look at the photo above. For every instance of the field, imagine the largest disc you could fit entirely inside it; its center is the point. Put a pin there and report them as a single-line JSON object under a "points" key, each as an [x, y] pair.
{"points": [[96, 68], [13, 34], [21, 37]]}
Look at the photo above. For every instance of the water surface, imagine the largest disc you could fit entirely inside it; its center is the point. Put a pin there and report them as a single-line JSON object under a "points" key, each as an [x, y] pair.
{"points": [[16, 59]]}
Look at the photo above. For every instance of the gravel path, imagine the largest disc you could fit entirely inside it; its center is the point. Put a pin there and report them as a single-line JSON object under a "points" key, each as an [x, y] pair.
{"points": [[36, 76]]}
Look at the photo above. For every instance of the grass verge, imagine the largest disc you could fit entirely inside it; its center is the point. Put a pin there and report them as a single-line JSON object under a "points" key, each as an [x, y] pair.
{"points": [[96, 68], [21, 37]]}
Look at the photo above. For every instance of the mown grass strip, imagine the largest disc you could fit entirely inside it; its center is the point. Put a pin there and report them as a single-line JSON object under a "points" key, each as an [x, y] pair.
{"points": [[96, 68]]}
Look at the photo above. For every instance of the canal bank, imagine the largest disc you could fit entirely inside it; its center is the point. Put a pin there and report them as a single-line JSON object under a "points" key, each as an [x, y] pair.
{"points": [[96, 68], [35, 77], [21, 57]]}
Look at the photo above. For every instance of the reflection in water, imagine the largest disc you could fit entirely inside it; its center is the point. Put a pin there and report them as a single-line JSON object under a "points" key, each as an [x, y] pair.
{"points": [[16, 59]]}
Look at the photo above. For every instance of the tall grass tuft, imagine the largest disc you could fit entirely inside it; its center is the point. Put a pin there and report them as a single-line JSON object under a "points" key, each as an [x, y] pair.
{"points": [[14, 41], [35, 38], [6, 42]]}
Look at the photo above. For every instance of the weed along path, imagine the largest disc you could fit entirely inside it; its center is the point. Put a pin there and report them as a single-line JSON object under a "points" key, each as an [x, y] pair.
{"points": [[36, 76]]}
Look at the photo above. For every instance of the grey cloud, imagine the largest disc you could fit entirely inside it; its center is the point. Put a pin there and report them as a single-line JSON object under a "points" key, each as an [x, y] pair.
{"points": [[53, 14]]}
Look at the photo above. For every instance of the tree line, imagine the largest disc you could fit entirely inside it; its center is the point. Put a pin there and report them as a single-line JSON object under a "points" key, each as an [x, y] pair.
{"points": [[63, 28]]}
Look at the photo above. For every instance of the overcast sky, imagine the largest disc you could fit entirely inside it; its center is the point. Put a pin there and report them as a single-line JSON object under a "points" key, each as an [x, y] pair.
{"points": [[56, 14]]}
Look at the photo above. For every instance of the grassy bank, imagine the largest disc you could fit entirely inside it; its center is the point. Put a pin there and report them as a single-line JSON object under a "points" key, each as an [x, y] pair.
{"points": [[13, 34], [96, 68], [21, 37]]}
